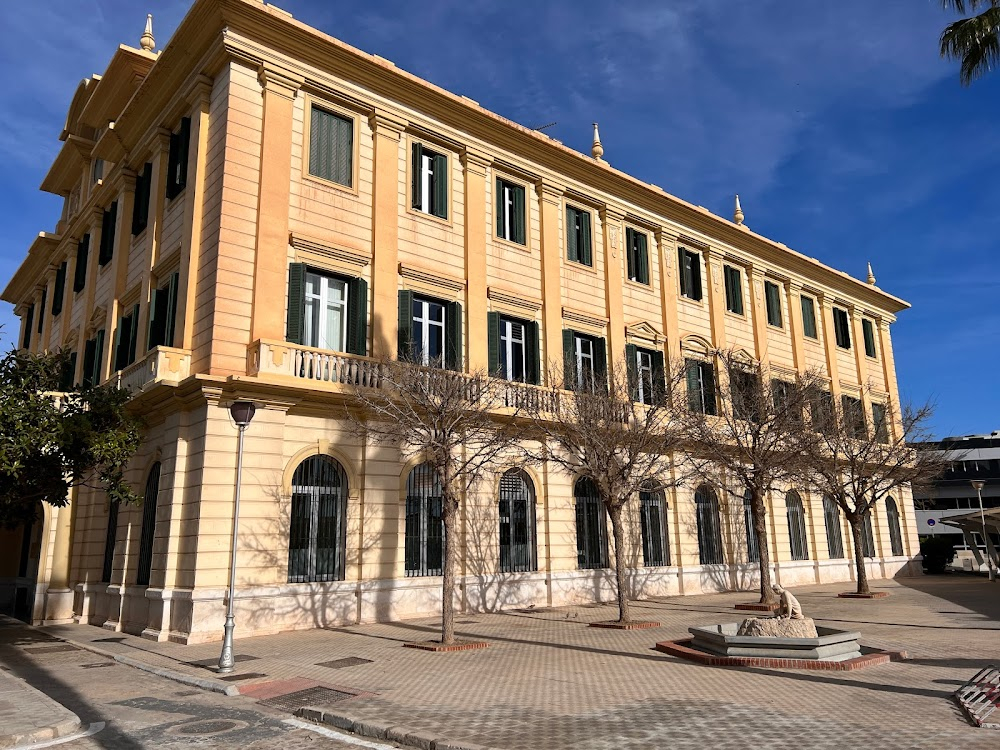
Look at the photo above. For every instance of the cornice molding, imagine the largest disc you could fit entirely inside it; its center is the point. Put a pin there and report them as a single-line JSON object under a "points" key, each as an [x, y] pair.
{"points": [[343, 257], [571, 315], [514, 299], [426, 277]]}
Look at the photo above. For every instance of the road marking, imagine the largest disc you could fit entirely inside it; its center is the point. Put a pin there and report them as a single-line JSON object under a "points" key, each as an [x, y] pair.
{"points": [[94, 728], [350, 739]]}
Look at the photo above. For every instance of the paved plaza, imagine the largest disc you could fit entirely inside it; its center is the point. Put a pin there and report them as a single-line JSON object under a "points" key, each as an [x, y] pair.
{"points": [[549, 681]]}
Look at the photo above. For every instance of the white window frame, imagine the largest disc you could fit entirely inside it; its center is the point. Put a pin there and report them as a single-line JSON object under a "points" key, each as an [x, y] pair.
{"points": [[321, 336], [644, 375], [508, 342], [425, 321], [583, 357], [507, 209]]}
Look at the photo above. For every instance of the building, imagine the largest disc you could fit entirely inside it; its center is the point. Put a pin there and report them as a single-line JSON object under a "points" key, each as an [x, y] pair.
{"points": [[256, 210]]}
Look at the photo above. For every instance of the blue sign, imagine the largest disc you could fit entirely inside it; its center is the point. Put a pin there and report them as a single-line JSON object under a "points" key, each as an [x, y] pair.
{"points": [[931, 522]]}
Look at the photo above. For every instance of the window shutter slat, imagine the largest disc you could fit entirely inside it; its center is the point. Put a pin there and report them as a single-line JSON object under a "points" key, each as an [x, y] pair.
{"points": [[683, 272], [631, 258], [659, 377], [520, 218], [493, 341], [532, 356], [440, 186], [60, 290], [572, 236], [695, 260], [183, 149], [453, 336], [29, 320], [416, 166], [89, 355], [295, 322], [631, 352], [357, 317], [405, 336], [642, 251], [569, 358], [500, 208], [133, 334], [601, 362], [708, 387], [585, 241], [344, 141], [98, 357], [80, 272], [320, 145], [154, 331]]}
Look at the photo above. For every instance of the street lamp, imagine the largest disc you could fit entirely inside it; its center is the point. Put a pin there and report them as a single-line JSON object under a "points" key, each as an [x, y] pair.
{"points": [[242, 412], [978, 485]]}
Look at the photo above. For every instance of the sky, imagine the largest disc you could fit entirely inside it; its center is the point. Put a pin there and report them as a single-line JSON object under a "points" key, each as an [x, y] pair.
{"points": [[845, 134]]}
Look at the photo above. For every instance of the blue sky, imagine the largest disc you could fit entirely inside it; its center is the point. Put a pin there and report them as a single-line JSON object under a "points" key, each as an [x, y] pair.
{"points": [[844, 133]]}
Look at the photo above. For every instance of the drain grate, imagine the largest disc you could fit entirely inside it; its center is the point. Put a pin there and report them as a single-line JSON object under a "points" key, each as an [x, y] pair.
{"points": [[316, 696], [238, 677], [350, 661], [50, 649], [212, 663], [98, 666]]}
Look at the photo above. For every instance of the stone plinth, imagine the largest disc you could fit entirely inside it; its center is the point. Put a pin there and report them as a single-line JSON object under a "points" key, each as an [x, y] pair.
{"points": [[828, 645], [778, 627]]}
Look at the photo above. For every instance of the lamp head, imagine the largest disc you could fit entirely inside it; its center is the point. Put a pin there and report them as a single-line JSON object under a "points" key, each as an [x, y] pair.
{"points": [[242, 412], [978, 484]]}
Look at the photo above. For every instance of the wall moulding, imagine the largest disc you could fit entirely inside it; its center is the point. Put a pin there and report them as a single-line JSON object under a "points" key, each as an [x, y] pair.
{"points": [[580, 317], [641, 332], [424, 280], [334, 257], [523, 304]]}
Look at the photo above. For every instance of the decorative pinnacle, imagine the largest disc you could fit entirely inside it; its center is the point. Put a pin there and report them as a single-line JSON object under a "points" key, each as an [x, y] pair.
{"points": [[871, 275], [146, 41], [738, 214], [597, 150]]}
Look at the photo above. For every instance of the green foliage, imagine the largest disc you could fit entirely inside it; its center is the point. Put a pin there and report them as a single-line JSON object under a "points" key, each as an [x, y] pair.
{"points": [[974, 41], [52, 440]]}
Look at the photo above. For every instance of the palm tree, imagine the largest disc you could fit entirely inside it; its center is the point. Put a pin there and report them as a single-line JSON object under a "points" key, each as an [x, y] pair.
{"points": [[975, 40]]}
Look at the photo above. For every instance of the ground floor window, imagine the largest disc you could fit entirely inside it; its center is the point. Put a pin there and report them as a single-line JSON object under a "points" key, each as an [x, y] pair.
{"points": [[109, 542], [895, 534], [148, 526], [653, 522], [591, 529], [834, 539], [867, 536], [709, 526], [317, 538], [424, 541], [517, 523], [796, 526], [753, 548]]}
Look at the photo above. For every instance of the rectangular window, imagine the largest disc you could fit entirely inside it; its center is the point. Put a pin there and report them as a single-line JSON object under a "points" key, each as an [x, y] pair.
{"points": [[107, 249], [80, 271], [854, 417], [689, 271], [584, 360], [746, 392], [327, 311], [93, 356], [125, 339], [41, 311], [60, 289], [163, 314], [431, 331], [821, 410], [652, 520], [880, 423], [331, 147], [808, 317], [325, 321], [29, 320], [645, 374], [510, 211], [772, 299], [513, 348], [734, 289], [143, 190], [842, 328], [177, 161], [636, 246], [869, 332], [97, 170], [578, 243], [700, 386], [430, 181]]}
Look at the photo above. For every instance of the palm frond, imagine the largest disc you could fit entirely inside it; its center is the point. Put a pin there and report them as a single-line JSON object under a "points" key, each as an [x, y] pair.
{"points": [[968, 6], [975, 42]]}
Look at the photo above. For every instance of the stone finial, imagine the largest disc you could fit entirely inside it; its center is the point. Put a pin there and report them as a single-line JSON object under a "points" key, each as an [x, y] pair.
{"points": [[146, 41], [738, 213], [597, 150], [871, 275]]}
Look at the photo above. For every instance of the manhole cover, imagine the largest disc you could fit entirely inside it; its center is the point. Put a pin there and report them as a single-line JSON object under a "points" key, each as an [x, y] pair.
{"points": [[208, 727], [317, 696], [50, 649], [350, 661]]}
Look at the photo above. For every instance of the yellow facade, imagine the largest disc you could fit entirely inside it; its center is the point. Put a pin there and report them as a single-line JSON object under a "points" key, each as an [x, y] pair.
{"points": [[224, 117]]}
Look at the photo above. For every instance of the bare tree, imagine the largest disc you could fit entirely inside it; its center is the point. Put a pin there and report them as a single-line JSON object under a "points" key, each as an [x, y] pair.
{"points": [[858, 460], [750, 443], [460, 424], [622, 432]]}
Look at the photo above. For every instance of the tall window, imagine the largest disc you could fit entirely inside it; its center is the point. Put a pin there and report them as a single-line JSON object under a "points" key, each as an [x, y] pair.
{"points": [[80, 272], [842, 328], [110, 538], [430, 331], [636, 247], [880, 423], [148, 533], [59, 292], [689, 272], [834, 538], [177, 160], [854, 416], [126, 338], [591, 529], [796, 526], [317, 538], [331, 146], [895, 533], [700, 378], [517, 523], [143, 192], [653, 521], [424, 540], [513, 348], [869, 333], [93, 356], [430, 181], [327, 311], [510, 211], [706, 505], [808, 317], [585, 360], [734, 289], [163, 313], [29, 320], [578, 236], [867, 536], [772, 300], [645, 374], [108, 223], [753, 548], [745, 389]]}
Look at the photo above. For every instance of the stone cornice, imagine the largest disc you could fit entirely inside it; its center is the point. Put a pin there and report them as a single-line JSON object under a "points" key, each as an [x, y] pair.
{"points": [[514, 299], [571, 315], [435, 279]]}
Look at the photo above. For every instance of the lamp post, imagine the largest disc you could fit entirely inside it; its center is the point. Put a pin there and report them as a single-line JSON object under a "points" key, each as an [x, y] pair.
{"points": [[978, 485], [242, 412]]}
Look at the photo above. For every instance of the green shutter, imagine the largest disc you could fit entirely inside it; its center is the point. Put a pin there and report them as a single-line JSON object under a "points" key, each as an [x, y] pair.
{"points": [[659, 377], [572, 235], [692, 372], [295, 322], [154, 331], [343, 151], [695, 259], [708, 386], [320, 144], [493, 341], [808, 317], [29, 320], [170, 320], [642, 258], [439, 184], [600, 362], [738, 290], [80, 272], [98, 357], [500, 209], [453, 336], [405, 337], [133, 334], [682, 272], [532, 358], [89, 355], [416, 161], [519, 218], [67, 370], [60, 291], [569, 358], [184, 145], [631, 352], [585, 240], [773, 299], [116, 358], [140, 208], [869, 332], [357, 317], [41, 309], [631, 270]]}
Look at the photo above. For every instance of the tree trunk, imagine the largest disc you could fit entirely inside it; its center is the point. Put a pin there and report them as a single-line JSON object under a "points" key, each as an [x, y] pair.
{"points": [[448, 508], [618, 532], [759, 513], [859, 554]]}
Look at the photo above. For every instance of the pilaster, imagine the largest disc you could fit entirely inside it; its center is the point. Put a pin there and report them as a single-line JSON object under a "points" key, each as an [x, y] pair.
{"points": [[550, 196], [889, 370], [119, 266], [386, 132], [666, 248], [475, 164], [825, 306], [191, 243], [614, 244], [755, 275], [154, 228], [716, 297], [793, 298]]}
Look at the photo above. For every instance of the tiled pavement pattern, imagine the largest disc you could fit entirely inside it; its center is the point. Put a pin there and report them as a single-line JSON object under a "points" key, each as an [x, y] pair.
{"points": [[548, 681]]}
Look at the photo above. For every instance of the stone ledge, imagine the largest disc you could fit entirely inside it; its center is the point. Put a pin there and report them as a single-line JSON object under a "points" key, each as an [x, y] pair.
{"points": [[758, 607], [399, 734], [439, 647], [634, 625], [870, 595], [681, 649]]}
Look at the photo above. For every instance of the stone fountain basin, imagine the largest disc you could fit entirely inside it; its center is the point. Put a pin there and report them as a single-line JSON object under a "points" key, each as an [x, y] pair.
{"points": [[830, 645]]}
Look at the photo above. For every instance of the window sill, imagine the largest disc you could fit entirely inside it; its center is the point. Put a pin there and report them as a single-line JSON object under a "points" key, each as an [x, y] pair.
{"points": [[417, 213], [773, 327], [317, 181], [575, 265], [742, 317], [505, 243], [690, 301], [639, 285]]}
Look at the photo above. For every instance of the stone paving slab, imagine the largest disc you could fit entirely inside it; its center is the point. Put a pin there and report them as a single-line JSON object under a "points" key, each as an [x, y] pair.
{"points": [[549, 681]]}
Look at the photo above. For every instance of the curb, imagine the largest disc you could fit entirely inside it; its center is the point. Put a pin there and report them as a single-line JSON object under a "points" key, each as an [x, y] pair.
{"points": [[63, 728], [401, 734]]}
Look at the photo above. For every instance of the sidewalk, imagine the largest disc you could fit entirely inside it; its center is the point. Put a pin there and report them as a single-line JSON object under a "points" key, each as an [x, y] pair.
{"points": [[28, 715], [548, 681]]}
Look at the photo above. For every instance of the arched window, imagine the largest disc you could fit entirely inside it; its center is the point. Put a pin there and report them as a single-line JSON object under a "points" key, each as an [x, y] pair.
{"points": [[591, 528], [424, 543], [753, 549], [653, 518], [317, 538], [834, 539], [148, 526], [796, 526], [867, 536], [110, 539], [517, 523], [709, 526], [895, 535]]}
